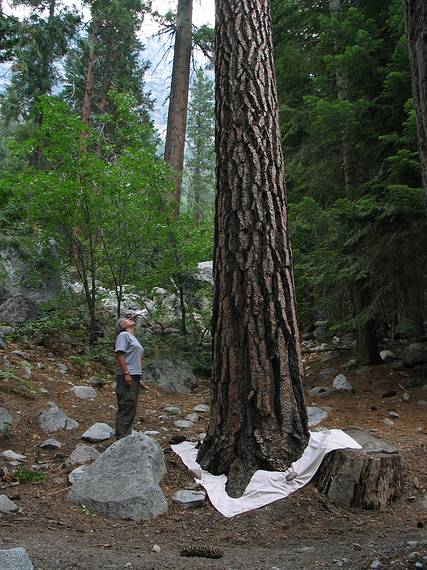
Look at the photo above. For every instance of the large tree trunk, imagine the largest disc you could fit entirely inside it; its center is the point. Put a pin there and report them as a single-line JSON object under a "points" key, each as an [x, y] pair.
{"points": [[258, 418], [90, 77], [416, 29], [178, 104], [366, 329]]}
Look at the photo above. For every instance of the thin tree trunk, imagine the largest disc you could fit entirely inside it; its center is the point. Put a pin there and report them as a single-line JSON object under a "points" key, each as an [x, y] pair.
{"points": [[90, 77], [416, 30], [258, 418], [366, 331], [178, 104]]}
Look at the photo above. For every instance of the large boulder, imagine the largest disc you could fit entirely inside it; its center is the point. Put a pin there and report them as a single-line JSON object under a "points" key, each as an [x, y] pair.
{"points": [[124, 481], [18, 310], [15, 559], [171, 375], [415, 353], [5, 420]]}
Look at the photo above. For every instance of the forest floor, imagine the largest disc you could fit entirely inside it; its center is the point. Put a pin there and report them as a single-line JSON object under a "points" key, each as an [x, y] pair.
{"points": [[300, 532]]}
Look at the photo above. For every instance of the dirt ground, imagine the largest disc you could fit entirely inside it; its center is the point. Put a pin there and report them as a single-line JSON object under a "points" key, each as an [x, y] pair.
{"points": [[300, 532]]}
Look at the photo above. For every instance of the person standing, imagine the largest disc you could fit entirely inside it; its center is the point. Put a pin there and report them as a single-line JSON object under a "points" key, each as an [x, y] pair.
{"points": [[129, 356]]}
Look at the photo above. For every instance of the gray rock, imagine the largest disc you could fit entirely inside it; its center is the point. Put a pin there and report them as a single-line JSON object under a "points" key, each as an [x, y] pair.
{"points": [[52, 419], [194, 418], [421, 404], [97, 381], [83, 454], [370, 442], [50, 443], [5, 420], [393, 415], [63, 368], [387, 356], [71, 424], [321, 332], [406, 397], [387, 422], [75, 474], [202, 436], [316, 415], [15, 559], [5, 331], [2, 343], [151, 433], [376, 564], [414, 354], [397, 364], [201, 408], [172, 410], [323, 391], [9, 454], [22, 354], [171, 375], [124, 481], [6, 505], [329, 355], [351, 364], [189, 499], [326, 372], [342, 384], [18, 310], [156, 548], [205, 272], [183, 424], [98, 432], [85, 392]]}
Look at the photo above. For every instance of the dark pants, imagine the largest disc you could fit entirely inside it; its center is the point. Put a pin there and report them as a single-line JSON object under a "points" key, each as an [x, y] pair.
{"points": [[127, 401]]}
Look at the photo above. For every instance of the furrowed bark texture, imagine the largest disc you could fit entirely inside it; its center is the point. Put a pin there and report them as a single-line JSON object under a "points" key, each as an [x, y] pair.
{"points": [[258, 417], [178, 104], [416, 30]]}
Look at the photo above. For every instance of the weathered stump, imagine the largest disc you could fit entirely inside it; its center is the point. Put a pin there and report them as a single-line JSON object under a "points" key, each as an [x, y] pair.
{"points": [[370, 478]]}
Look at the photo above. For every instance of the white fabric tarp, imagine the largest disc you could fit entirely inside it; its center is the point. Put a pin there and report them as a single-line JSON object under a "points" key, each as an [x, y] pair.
{"points": [[266, 486]]}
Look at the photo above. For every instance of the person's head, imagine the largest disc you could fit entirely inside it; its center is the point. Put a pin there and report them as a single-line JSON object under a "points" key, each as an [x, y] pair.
{"points": [[125, 324]]}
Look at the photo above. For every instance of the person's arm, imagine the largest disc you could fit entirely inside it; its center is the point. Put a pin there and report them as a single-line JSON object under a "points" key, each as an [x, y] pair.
{"points": [[120, 357]]}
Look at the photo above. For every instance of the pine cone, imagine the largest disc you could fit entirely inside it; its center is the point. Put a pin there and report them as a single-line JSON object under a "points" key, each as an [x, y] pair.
{"points": [[202, 551]]}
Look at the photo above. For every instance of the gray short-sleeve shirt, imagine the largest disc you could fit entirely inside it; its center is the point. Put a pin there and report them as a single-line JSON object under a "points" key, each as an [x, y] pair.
{"points": [[132, 349]]}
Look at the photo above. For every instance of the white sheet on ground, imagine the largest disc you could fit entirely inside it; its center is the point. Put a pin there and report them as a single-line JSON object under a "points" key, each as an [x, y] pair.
{"points": [[266, 486]]}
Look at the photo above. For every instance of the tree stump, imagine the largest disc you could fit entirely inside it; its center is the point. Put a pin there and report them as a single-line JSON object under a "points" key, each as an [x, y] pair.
{"points": [[370, 478]]}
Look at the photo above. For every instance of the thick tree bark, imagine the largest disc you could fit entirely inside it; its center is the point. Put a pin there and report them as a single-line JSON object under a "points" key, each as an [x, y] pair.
{"points": [[416, 30], [90, 77], [258, 418], [178, 104]]}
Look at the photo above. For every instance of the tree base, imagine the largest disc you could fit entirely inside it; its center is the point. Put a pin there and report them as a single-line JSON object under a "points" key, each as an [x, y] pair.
{"points": [[369, 478]]}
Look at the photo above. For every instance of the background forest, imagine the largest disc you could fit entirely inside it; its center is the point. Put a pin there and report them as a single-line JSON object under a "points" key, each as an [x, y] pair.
{"points": [[85, 192]]}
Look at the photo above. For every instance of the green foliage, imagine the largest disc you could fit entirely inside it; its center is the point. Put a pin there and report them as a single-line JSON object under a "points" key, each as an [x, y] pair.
{"points": [[23, 475]]}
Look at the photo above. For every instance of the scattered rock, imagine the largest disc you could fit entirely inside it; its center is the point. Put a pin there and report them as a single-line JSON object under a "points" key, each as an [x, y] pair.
{"points": [[412, 544], [53, 419], [50, 443], [376, 564], [327, 372], [172, 410], [97, 381], [124, 480], [172, 375], [98, 432], [397, 364], [406, 397], [321, 332], [342, 384], [83, 454], [156, 548], [21, 354], [5, 420], [5, 331], [63, 368], [71, 424], [15, 559], [193, 417], [356, 546], [316, 415], [6, 505], [187, 498], [183, 424], [387, 422], [2, 343], [387, 356], [329, 355], [205, 271], [201, 436], [84, 392], [323, 391], [9, 454], [421, 404], [151, 433], [201, 408], [393, 415], [351, 364]]}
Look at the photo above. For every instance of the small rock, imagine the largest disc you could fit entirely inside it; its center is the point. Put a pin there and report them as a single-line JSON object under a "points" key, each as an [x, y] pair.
{"points": [[387, 422], [84, 392], [52, 419], [9, 454], [307, 549], [327, 372], [421, 404], [411, 544], [156, 548], [6, 505], [187, 498], [50, 443], [406, 397], [194, 418], [376, 564], [21, 354], [152, 433], [329, 355], [98, 432], [389, 394], [201, 436], [387, 356], [183, 424], [394, 415], [97, 381], [419, 565], [201, 408], [316, 415], [71, 424], [2, 343], [63, 368], [15, 559], [356, 546], [323, 391], [172, 410], [5, 420], [83, 454], [342, 384]]}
